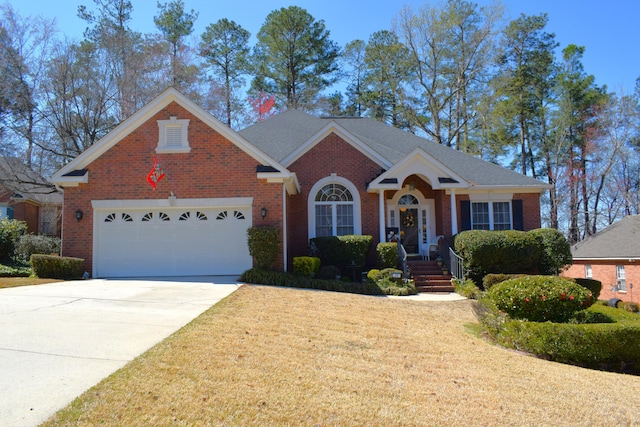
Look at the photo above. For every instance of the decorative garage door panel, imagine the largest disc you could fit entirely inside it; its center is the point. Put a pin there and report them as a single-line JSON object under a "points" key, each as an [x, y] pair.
{"points": [[172, 242]]}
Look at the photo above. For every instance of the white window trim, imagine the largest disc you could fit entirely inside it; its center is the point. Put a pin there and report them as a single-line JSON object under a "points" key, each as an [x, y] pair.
{"points": [[621, 278], [311, 204], [173, 122], [588, 271], [490, 205]]}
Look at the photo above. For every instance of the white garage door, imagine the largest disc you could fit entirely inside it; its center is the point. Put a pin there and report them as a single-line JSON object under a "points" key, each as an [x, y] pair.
{"points": [[170, 241]]}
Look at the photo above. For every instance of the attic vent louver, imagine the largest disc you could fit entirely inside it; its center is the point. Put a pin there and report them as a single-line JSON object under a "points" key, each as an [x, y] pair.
{"points": [[173, 136]]}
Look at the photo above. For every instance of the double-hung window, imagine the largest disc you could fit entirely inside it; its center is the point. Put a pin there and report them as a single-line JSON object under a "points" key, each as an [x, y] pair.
{"points": [[621, 279], [491, 216]]}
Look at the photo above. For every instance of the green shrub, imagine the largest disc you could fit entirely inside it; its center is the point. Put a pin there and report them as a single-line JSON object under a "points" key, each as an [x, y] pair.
{"points": [[389, 285], [556, 251], [306, 265], [341, 250], [330, 249], [492, 278], [56, 267], [356, 248], [595, 286], [270, 277], [15, 269], [540, 298], [30, 244], [10, 232], [387, 254], [506, 252], [329, 272], [467, 288], [608, 346], [264, 245]]}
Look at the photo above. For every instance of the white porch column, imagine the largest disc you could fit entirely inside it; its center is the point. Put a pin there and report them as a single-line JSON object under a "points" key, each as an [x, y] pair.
{"points": [[454, 213], [383, 237], [285, 243]]}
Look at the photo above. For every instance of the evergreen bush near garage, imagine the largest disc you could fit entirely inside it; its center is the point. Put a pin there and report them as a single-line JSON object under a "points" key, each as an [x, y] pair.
{"points": [[56, 267], [264, 245]]}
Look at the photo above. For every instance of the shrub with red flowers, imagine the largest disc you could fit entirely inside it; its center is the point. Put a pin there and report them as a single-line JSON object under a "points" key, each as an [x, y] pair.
{"points": [[540, 298]]}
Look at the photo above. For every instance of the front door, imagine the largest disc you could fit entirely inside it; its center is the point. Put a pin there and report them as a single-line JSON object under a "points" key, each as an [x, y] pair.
{"points": [[409, 230]]}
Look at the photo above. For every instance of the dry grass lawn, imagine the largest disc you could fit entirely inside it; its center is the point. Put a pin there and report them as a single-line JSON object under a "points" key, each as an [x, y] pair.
{"points": [[269, 356], [12, 282]]}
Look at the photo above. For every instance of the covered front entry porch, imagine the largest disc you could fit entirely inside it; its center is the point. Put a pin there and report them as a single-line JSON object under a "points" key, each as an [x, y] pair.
{"points": [[411, 213], [417, 201]]}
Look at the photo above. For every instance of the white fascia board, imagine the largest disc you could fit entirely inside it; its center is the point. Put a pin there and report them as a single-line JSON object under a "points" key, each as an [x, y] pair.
{"points": [[70, 181], [333, 127], [289, 179], [507, 189], [398, 171]]}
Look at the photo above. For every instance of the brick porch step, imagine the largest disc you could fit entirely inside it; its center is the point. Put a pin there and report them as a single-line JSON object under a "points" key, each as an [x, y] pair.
{"points": [[428, 276]]}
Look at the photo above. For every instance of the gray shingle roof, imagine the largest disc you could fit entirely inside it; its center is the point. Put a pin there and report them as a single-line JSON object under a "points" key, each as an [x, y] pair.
{"points": [[621, 240], [282, 134], [25, 183]]}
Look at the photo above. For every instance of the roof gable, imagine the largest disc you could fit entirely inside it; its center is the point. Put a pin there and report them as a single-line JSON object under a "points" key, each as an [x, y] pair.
{"points": [[67, 175]]}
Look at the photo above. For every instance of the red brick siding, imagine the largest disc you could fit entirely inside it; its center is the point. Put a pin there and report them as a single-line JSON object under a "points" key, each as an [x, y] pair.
{"points": [[214, 168], [605, 271], [331, 155], [28, 213]]}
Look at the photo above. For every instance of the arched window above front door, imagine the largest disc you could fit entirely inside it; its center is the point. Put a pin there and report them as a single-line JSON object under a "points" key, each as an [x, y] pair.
{"points": [[408, 199], [334, 208]]}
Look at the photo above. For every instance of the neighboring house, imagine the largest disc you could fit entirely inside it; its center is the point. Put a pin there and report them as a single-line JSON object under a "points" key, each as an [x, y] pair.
{"points": [[306, 175], [28, 197], [611, 256]]}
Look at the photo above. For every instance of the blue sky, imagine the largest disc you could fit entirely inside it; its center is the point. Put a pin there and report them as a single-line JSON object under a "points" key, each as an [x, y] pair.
{"points": [[608, 29]]}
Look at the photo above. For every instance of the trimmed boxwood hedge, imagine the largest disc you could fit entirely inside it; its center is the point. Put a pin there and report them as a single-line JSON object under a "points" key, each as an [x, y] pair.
{"points": [[341, 251], [607, 346], [270, 277], [56, 267], [506, 252]]}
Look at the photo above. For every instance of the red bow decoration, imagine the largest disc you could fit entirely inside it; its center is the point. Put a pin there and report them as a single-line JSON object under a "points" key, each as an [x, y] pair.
{"points": [[156, 174]]}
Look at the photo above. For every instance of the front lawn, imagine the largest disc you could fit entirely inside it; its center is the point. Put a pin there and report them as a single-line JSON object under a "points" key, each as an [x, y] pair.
{"points": [[281, 356], [12, 282]]}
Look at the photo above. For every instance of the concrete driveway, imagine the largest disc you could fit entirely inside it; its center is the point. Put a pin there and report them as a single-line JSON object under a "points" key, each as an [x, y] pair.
{"points": [[58, 340]]}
